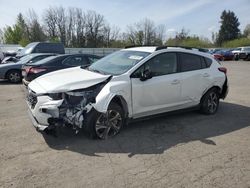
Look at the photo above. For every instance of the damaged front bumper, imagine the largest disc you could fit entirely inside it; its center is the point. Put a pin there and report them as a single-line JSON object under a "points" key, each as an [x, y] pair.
{"points": [[38, 126], [69, 109], [42, 110]]}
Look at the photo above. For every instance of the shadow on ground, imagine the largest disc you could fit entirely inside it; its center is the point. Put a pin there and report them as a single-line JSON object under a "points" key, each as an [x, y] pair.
{"points": [[154, 136], [6, 82]]}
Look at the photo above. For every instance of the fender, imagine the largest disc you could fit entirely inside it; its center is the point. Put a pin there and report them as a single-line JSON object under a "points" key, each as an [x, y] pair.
{"points": [[111, 90]]}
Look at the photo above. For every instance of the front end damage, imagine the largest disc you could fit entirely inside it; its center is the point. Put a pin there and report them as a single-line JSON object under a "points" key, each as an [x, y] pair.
{"points": [[48, 111]]}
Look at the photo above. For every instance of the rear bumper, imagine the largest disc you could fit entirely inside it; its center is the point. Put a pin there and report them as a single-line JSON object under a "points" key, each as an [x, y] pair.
{"points": [[225, 90]]}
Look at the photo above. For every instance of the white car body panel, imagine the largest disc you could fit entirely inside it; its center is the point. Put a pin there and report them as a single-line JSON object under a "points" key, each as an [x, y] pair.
{"points": [[110, 90], [156, 95], [66, 80]]}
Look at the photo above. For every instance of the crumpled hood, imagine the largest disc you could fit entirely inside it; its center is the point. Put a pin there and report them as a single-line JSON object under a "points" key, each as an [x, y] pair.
{"points": [[66, 80]]}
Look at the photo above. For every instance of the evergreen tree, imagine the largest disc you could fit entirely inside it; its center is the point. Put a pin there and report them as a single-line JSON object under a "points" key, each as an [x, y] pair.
{"points": [[229, 28], [21, 24]]}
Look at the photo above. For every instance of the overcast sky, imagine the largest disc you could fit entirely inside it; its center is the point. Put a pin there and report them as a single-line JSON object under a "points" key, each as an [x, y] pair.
{"points": [[200, 17]]}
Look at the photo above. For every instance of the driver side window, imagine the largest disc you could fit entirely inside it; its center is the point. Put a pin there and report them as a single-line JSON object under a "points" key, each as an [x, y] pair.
{"points": [[159, 65]]}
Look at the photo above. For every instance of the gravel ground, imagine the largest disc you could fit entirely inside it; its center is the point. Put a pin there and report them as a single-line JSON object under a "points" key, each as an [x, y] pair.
{"points": [[182, 150]]}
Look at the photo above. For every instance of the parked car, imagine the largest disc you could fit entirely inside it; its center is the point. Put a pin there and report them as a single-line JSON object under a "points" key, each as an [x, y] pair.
{"points": [[9, 59], [218, 57], [127, 84], [12, 71], [224, 55], [41, 47], [245, 53], [236, 53], [34, 70], [1, 56], [214, 50], [10, 53]]}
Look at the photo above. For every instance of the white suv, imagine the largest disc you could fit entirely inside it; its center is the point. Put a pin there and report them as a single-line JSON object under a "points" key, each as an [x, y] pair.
{"points": [[128, 84]]}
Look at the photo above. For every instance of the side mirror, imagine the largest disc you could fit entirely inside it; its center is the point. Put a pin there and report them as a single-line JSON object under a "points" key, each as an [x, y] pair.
{"points": [[146, 74]]}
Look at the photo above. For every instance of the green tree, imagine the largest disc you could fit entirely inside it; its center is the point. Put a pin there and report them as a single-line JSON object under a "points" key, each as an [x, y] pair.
{"points": [[229, 29], [12, 35], [18, 33], [24, 31]]}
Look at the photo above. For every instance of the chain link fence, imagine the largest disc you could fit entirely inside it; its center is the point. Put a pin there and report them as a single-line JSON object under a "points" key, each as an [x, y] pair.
{"points": [[94, 51]]}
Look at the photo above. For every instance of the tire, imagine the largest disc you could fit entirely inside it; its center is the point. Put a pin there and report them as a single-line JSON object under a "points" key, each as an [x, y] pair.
{"points": [[236, 57], [14, 76], [210, 102], [102, 127]]}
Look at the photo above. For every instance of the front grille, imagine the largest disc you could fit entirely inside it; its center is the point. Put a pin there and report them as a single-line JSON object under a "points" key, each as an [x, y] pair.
{"points": [[32, 99]]}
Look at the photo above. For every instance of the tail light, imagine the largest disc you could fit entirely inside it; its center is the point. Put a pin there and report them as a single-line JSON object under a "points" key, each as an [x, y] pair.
{"points": [[223, 69], [27, 69], [36, 70]]}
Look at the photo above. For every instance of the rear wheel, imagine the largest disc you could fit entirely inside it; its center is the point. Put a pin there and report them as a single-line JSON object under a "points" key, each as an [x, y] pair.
{"points": [[106, 125], [210, 102], [14, 76]]}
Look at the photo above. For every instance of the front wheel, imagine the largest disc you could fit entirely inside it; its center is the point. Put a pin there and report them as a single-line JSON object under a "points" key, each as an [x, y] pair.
{"points": [[210, 102], [106, 125]]}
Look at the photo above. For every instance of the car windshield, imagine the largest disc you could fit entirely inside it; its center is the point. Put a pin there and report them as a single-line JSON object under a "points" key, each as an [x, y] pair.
{"points": [[27, 49], [118, 62]]}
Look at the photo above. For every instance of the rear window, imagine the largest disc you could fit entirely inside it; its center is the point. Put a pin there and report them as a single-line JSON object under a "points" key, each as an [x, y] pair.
{"points": [[45, 60], [208, 61]]}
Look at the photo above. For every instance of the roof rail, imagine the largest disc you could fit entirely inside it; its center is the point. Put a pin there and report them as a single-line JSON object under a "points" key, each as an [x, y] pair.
{"points": [[185, 47], [133, 46]]}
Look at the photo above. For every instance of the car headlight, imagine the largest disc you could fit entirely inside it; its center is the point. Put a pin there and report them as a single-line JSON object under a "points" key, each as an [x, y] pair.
{"points": [[56, 96]]}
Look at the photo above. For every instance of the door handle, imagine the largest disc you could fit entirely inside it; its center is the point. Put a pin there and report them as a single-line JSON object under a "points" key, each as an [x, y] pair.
{"points": [[206, 75], [174, 82]]}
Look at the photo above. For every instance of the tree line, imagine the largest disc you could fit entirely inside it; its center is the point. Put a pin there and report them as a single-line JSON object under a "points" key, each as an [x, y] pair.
{"points": [[75, 27]]}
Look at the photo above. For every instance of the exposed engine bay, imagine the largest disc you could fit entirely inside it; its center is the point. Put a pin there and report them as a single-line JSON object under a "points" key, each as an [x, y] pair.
{"points": [[73, 108]]}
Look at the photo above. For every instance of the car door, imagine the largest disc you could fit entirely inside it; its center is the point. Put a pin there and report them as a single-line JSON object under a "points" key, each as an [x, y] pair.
{"points": [[159, 93], [195, 77]]}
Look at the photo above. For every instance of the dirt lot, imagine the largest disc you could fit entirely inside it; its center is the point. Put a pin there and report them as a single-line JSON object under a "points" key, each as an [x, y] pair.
{"points": [[181, 150]]}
